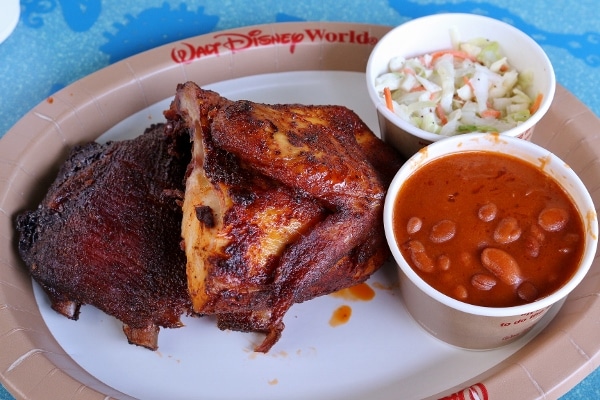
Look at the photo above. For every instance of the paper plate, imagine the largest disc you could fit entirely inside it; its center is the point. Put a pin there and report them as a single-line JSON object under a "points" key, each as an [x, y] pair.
{"points": [[379, 353]]}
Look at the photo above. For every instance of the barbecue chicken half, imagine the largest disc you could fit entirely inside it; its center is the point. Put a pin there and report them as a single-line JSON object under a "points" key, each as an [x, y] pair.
{"points": [[282, 203]]}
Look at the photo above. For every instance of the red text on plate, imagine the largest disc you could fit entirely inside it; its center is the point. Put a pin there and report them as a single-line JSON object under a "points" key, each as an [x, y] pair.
{"points": [[476, 392], [186, 52]]}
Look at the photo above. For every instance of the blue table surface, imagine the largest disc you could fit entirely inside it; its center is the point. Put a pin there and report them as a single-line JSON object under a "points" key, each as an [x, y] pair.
{"points": [[57, 42]]}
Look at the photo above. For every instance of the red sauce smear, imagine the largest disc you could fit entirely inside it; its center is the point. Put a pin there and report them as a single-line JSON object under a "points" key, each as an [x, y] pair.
{"points": [[360, 292], [340, 316]]}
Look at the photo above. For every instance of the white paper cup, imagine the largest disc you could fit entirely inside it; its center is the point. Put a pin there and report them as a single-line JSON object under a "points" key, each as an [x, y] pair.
{"points": [[432, 33], [9, 18], [477, 327]]}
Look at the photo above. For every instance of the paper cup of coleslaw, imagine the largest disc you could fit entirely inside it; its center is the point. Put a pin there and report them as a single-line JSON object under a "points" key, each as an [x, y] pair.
{"points": [[449, 74]]}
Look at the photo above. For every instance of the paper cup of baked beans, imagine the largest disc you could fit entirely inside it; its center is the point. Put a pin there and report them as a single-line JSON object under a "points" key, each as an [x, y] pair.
{"points": [[489, 232], [448, 74]]}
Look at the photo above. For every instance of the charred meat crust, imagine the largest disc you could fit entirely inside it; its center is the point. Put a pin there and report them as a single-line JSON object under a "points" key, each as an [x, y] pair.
{"points": [[108, 233]]}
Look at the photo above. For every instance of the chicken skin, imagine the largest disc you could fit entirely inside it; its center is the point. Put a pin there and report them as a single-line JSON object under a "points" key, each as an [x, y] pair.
{"points": [[283, 203]]}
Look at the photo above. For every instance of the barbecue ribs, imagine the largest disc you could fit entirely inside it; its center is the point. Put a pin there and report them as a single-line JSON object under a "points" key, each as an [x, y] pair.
{"points": [[108, 234], [282, 203]]}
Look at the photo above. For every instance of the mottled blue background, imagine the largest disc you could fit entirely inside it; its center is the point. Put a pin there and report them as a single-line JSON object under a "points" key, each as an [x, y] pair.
{"points": [[76, 37], [60, 41]]}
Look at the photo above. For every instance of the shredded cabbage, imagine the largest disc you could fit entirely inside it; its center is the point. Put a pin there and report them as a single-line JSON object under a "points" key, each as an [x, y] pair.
{"points": [[470, 88]]}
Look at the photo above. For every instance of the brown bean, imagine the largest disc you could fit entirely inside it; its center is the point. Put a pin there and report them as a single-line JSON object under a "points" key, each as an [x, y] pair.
{"points": [[570, 242], [532, 246], [534, 240], [483, 281], [527, 291], [443, 262], [414, 225], [572, 238], [442, 231], [422, 261], [565, 249], [553, 219], [537, 233], [461, 292], [502, 265], [507, 231], [415, 245], [487, 212], [419, 257], [466, 259]]}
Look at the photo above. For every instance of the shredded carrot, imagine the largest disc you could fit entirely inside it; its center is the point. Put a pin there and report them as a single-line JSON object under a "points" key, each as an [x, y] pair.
{"points": [[440, 113], [467, 81], [490, 112], [388, 98], [408, 71], [418, 88], [455, 53], [536, 103]]}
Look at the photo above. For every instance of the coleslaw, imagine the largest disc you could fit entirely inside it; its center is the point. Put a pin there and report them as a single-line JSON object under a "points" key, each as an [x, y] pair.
{"points": [[469, 88]]}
